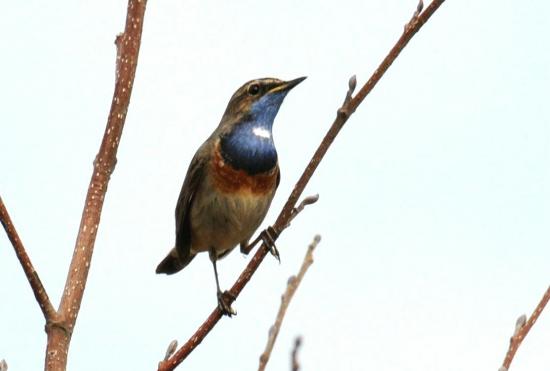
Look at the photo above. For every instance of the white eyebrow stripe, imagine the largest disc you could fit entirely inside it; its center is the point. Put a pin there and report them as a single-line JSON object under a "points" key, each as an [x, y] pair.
{"points": [[261, 132]]}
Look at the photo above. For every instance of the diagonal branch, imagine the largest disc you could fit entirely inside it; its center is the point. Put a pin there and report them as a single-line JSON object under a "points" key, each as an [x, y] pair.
{"points": [[347, 109], [291, 287], [32, 276], [523, 326], [128, 43]]}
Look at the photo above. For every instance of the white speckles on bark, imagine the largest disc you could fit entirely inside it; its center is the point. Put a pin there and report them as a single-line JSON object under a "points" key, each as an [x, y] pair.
{"points": [[127, 44]]}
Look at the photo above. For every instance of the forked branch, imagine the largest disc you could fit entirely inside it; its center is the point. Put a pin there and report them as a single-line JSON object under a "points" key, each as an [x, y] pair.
{"points": [[60, 331]]}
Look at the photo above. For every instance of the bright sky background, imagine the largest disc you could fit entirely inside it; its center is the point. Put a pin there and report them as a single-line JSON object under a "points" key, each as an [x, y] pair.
{"points": [[434, 203]]}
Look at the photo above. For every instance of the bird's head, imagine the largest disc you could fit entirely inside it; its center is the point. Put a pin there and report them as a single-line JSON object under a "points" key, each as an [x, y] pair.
{"points": [[259, 100]]}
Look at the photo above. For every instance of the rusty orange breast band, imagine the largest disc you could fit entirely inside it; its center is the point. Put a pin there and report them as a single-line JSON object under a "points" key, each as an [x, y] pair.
{"points": [[230, 180]]}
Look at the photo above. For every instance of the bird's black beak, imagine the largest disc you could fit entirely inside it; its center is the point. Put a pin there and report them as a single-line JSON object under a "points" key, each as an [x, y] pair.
{"points": [[287, 85]]}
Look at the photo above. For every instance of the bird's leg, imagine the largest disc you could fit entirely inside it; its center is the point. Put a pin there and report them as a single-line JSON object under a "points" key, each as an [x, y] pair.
{"points": [[224, 298], [267, 236]]}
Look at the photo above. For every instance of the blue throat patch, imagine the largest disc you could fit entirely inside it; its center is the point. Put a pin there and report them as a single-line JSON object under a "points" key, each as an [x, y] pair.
{"points": [[249, 145]]}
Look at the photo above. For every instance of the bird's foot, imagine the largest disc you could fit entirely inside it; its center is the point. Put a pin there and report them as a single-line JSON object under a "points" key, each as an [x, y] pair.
{"points": [[224, 303], [268, 236]]}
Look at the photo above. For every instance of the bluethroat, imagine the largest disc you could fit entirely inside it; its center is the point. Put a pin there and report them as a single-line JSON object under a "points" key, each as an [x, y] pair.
{"points": [[231, 181]]}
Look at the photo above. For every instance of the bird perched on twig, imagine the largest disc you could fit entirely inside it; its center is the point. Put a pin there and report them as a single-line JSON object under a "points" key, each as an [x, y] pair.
{"points": [[230, 182]]}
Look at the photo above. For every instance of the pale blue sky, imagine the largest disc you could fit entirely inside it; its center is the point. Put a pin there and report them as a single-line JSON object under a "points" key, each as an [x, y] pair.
{"points": [[435, 198]]}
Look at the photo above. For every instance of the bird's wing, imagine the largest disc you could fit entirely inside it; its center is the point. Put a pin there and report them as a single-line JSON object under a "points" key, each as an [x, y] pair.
{"points": [[192, 182]]}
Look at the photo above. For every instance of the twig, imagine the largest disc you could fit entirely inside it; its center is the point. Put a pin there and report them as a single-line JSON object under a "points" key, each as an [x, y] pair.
{"points": [[297, 210], [291, 287], [32, 276], [172, 347], [128, 43], [419, 8], [295, 365], [523, 327], [343, 115]]}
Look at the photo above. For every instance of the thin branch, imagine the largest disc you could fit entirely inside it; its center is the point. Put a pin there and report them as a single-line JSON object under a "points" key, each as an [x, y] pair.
{"points": [[282, 220], [291, 287], [310, 200], [523, 327], [172, 347], [128, 44], [414, 25], [32, 275], [295, 365]]}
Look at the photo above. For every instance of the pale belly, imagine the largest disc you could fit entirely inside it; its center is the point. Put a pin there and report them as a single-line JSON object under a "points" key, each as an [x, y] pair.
{"points": [[222, 221]]}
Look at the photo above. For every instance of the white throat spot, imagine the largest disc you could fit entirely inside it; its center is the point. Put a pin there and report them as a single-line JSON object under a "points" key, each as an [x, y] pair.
{"points": [[261, 132]]}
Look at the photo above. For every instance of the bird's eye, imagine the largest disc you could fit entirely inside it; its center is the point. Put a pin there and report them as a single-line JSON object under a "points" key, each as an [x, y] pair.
{"points": [[253, 89]]}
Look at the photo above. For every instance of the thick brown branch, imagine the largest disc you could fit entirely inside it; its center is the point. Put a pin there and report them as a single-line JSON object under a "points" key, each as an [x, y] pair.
{"points": [[291, 287], [522, 329], [128, 44], [350, 105], [32, 276]]}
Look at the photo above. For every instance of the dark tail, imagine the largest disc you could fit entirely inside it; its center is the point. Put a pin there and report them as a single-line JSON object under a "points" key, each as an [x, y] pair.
{"points": [[173, 262]]}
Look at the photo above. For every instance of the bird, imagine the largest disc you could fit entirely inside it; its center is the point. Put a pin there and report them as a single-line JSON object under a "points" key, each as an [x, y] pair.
{"points": [[230, 182]]}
